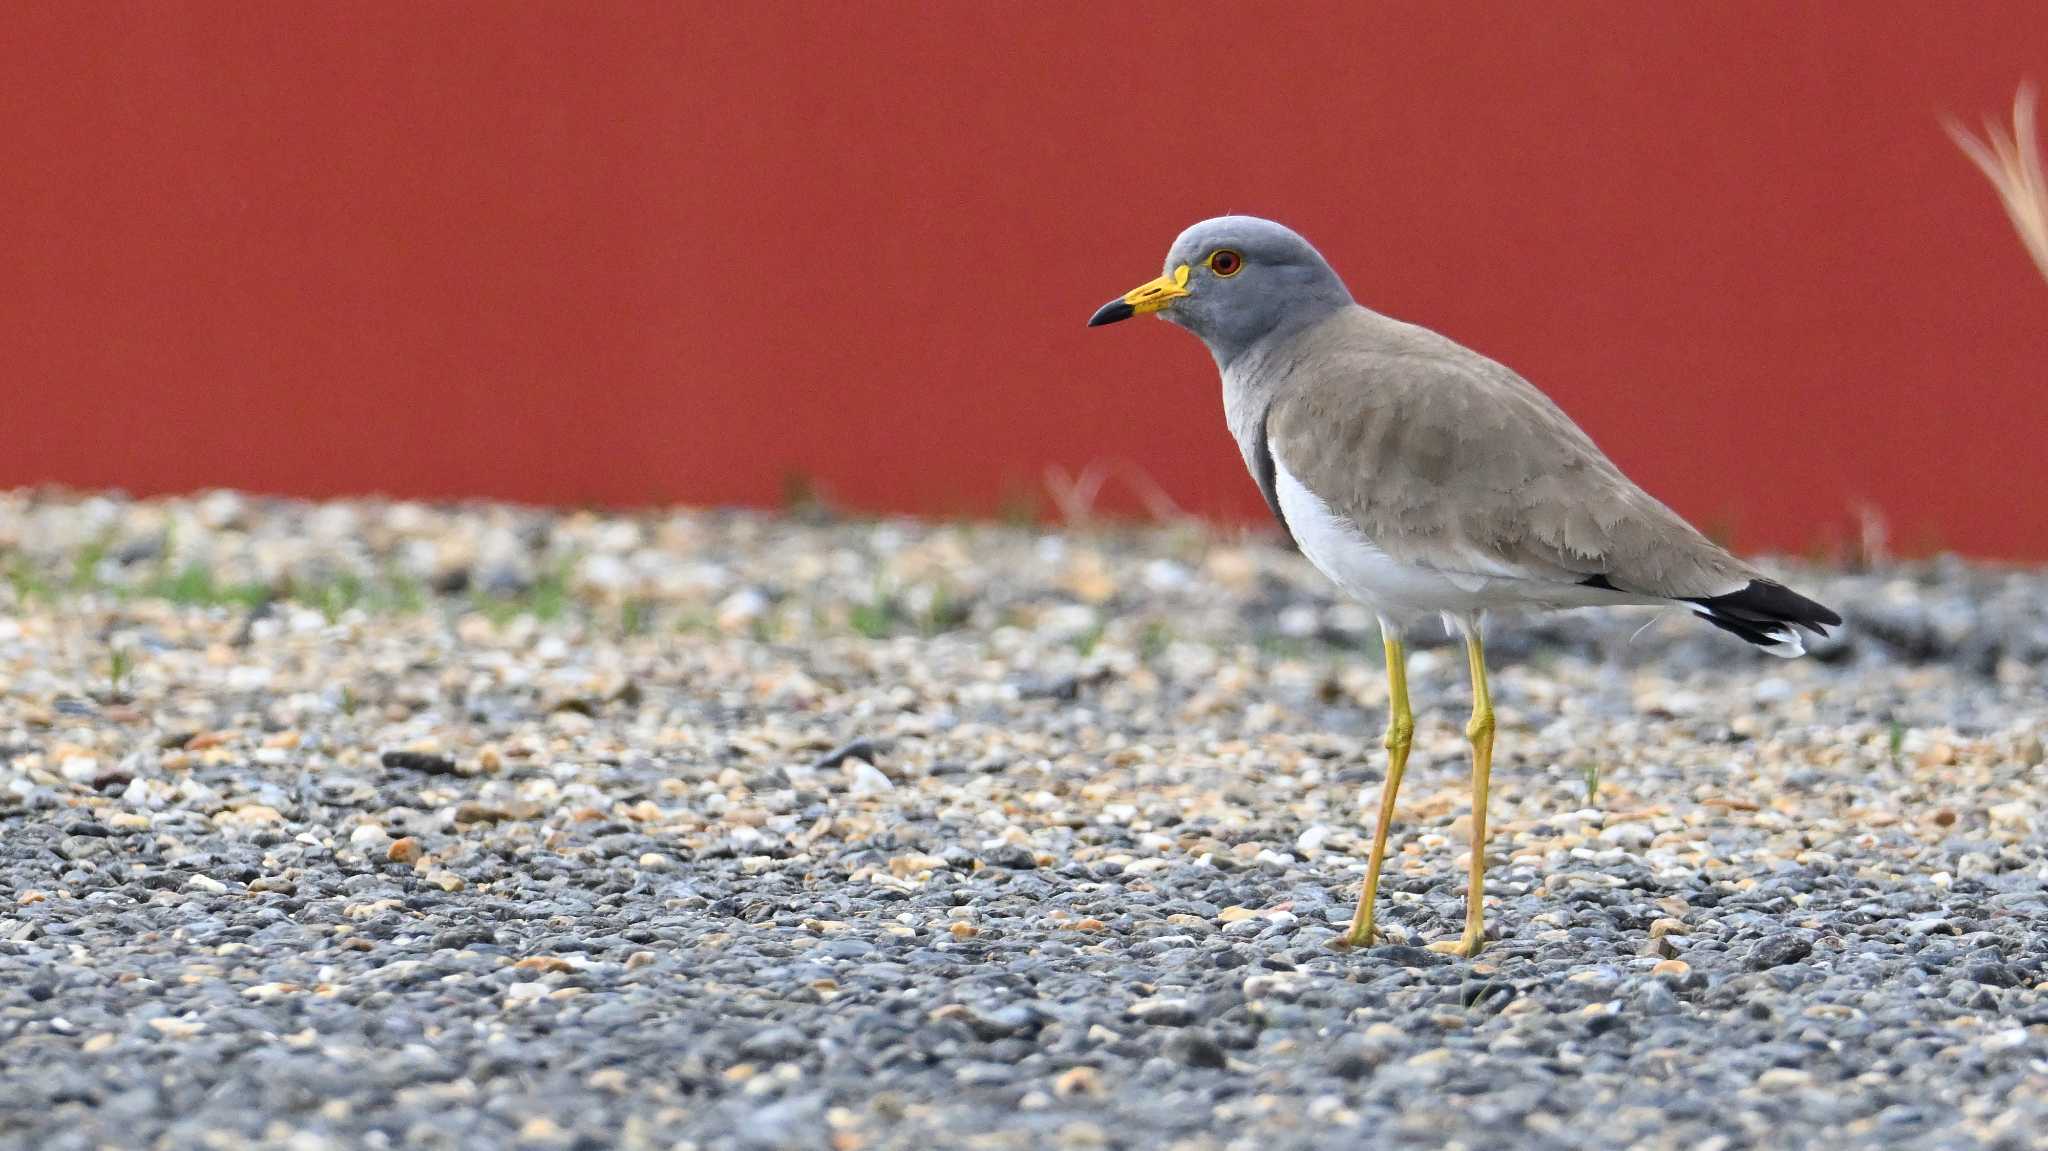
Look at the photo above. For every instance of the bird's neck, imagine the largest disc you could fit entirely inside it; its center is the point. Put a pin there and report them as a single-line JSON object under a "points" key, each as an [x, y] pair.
{"points": [[1233, 350], [1253, 373]]}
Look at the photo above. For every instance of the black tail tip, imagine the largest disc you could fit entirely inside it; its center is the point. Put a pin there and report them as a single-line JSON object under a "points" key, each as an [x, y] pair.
{"points": [[1764, 613]]}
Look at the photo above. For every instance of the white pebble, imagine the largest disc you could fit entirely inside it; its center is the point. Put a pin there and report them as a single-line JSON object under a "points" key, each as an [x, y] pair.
{"points": [[1633, 836], [866, 779]]}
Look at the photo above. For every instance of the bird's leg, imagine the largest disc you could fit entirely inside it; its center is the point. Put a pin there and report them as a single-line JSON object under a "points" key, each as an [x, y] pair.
{"points": [[1400, 733], [1478, 729]]}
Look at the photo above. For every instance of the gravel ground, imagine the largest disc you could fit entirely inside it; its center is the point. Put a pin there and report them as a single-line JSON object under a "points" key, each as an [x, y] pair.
{"points": [[382, 825]]}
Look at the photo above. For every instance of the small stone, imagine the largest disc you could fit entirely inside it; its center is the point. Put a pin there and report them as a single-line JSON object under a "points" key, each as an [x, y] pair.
{"points": [[406, 850], [1991, 974], [865, 779], [1784, 1079], [1671, 969], [1079, 1081], [250, 815], [1357, 1056], [1002, 1022], [1162, 1012], [541, 1129], [1632, 836], [656, 861], [1276, 985], [2015, 813], [1777, 951], [474, 812], [422, 762], [775, 1045], [171, 1028], [1192, 1047], [906, 866], [1015, 856], [80, 847], [1081, 1135], [207, 884], [863, 750]]}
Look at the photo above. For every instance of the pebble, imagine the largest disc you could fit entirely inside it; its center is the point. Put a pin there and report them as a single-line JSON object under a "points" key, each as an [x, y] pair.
{"points": [[1079, 1081], [1193, 1048], [1784, 1079], [1778, 950], [867, 779], [1162, 1012]]}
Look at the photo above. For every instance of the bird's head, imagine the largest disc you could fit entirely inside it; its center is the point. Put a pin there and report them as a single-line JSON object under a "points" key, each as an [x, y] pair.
{"points": [[1233, 281]]}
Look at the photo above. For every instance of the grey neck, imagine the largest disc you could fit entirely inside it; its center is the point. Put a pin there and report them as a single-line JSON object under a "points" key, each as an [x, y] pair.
{"points": [[1252, 375], [1228, 347]]}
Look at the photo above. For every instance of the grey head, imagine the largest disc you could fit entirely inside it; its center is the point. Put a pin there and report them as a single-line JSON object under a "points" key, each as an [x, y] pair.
{"points": [[1235, 281]]}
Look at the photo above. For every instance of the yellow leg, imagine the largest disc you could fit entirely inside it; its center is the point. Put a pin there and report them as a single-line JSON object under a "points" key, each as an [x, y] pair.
{"points": [[1478, 729], [1400, 733]]}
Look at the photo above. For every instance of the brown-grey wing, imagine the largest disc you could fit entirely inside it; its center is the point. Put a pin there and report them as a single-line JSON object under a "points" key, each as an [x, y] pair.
{"points": [[1456, 463]]}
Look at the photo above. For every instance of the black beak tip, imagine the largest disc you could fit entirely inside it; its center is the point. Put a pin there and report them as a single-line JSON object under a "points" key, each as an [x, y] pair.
{"points": [[1110, 313]]}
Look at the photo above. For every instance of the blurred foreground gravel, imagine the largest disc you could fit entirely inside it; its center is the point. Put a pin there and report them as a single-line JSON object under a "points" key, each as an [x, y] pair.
{"points": [[375, 825]]}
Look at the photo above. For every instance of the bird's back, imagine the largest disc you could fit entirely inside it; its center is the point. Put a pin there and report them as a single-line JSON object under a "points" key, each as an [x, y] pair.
{"points": [[1445, 458]]}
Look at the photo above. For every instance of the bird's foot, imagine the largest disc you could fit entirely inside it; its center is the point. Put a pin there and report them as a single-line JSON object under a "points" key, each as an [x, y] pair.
{"points": [[1361, 934], [1464, 948], [1354, 939]]}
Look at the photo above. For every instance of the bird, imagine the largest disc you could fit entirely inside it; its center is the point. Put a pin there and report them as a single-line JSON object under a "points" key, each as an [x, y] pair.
{"points": [[1426, 480]]}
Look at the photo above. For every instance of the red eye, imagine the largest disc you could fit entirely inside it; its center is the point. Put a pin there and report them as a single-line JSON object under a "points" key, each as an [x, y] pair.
{"points": [[1225, 262]]}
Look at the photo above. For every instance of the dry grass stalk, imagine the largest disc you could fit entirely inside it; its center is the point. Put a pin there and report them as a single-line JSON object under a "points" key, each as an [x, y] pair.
{"points": [[2013, 165], [1075, 495]]}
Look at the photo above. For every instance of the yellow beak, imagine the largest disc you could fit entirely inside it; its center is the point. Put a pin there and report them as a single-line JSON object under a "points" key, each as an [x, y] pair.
{"points": [[1144, 299]]}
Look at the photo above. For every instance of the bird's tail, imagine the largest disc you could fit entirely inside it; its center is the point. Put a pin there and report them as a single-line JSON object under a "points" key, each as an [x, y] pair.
{"points": [[1768, 615]]}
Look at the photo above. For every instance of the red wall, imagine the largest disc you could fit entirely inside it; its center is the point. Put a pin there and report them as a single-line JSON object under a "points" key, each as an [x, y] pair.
{"points": [[680, 252]]}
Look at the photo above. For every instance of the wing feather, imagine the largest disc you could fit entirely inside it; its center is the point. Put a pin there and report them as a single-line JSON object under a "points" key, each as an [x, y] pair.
{"points": [[1447, 459]]}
